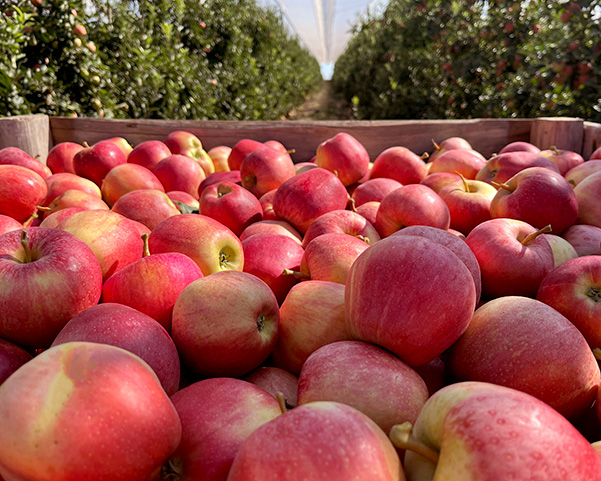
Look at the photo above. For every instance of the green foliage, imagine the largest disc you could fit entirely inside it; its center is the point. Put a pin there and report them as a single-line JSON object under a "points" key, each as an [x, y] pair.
{"points": [[462, 59], [214, 59]]}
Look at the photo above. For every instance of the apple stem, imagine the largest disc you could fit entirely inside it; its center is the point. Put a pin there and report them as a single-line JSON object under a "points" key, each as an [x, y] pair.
{"points": [[86, 145], [498, 186], [530, 237], [28, 222], [363, 238], [465, 184], [352, 202], [26, 247], [43, 209], [146, 249], [401, 437], [553, 149], [436, 146], [425, 156], [597, 353], [297, 274], [291, 151], [281, 401]]}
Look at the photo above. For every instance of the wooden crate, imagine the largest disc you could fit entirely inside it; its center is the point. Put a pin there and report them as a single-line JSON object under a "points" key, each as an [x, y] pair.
{"points": [[36, 134]]}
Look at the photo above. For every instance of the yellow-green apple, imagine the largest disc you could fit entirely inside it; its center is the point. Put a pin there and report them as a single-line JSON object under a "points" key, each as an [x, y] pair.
{"points": [[60, 157], [16, 156], [21, 191], [148, 154], [8, 223], [497, 348], [366, 377], [465, 162], [216, 177], [275, 380], [413, 204], [585, 239], [123, 144], [178, 172], [232, 205], [184, 202], [209, 243], [48, 276], [342, 222], [122, 326], [126, 178], [452, 242], [320, 441], [519, 146], [225, 324], [588, 193], [577, 174], [265, 169], [440, 180], [267, 256], [202, 158], [240, 151], [60, 183], [311, 316], [74, 407], [76, 198], [12, 357], [217, 415], [474, 431], [502, 167], [179, 141], [303, 198], [562, 249], [95, 162], [219, 155], [386, 302], [111, 236], [374, 190], [266, 201], [369, 211], [329, 257], [400, 164], [539, 197], [513, 257], [451, 143], [345, 156], [564, 160], [468, 202], [574, 290], [152, 284], [148, 206], [271, 227], [55, 218]]}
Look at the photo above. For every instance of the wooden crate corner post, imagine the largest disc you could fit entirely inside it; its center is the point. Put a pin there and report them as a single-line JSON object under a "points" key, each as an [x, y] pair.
{"points": [[30, 133], [565, 133]]}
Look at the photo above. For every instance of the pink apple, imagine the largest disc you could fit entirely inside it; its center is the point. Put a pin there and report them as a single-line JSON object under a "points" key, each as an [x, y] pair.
{"points": [[8, 224], [275, 380], [588, 193], [585, 239], [277, 145], [465, 162], [12, 357], [502, 167], [55, 218], [148, 154], [124, 327], [75, 198], [126, 178], [219, 156], [562, 249], [266, 201], [240, 151], [190, 204], [216, 177], [304, 166], [577, 174], [387, 304], [271, 227], [265, 169], [440, 180], [451, 143], [564, 160], [400, 164], [180, 140], [178, 172], [345, 156], [60, 183], [519, 146], [21, 191], [95, 162], [369, 211], [342, 222], [123, 145], [48, 277], [596, 154], [374, 190], [239, 318], [60, 158], [16, 156], [148, 206], [203, 159]]}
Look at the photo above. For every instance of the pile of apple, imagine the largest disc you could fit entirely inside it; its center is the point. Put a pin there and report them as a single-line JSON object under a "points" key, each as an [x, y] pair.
{"points": [[168, 313]]}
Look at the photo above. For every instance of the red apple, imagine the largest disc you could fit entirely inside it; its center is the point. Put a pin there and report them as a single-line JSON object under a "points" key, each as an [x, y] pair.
{"points": [[216, 177], [577, 174], [451, 143], [465, 162], [95, 162], [369, 211], [180, 140], [265, 169], [178, 172], [16, 156], [342, 222], [266, 201], [149, 207], [502, 167], [240, 151], [400, 164], [275, 380], [21, 191], [345, 156], [374, 190], [148, 154], [588, 193], [219, 156], [190, 204], [203, 159], [564, 160], [440, 180], [55, 218], [519, 146], [76, 198], [271, 227], [126, 178], [562, 249], [12, 357], [60, 183], [8, 224], [585, 239], [122, 143], [60, 158]]}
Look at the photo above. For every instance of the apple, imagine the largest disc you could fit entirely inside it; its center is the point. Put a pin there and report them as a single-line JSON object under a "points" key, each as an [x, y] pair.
{"points": [[519, 146], [374, 190], [277, 145], [564, 160], [122, 326], [465, 162], [225, 324], [148, 154], [16, 156], [440, 180], [304, 166], [366, 377], [184, 201], [232, 205], [209, 243], [217, 415], [219, 156], [303, 198], [267, 256], [413, 204], [8, 224], [451, 143], [344, 156], [387, 304], [59, 183], [369, 211], [202, 158], [585, 239], [502, 167], [539, 197], [588, 193], [400, 164], [60, 157], [342, 222], [126, 178], [95, 162], [148, 206], [266, 201], [111, 237], [311, 316], [275, 380], [271, 227], [21, 191], [12, 357], [596, 154], [178, 172], [216, 177], [180, 140], [433, 374], [475, 431], [55, 218], [239, 152], [77, 405], [75, 198], [120, 142], [513, 257], [318, 441], [562, 249], [48, 277], [265, 169], [580, 172]]}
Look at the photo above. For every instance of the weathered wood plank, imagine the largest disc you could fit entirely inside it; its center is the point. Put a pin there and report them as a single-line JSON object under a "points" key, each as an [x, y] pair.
{"points": [[30, 133], [561, 132], [592, 138]]}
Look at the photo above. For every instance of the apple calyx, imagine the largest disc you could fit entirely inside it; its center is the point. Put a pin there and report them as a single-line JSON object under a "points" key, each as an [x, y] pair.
{"points": [[530, 237], [498, 186], [172, 470], [572, 183], [281, 401], [402, 438], [250, 180], [27, 257], [594, 293], [146, 249], [297, 274], [465, 184]]}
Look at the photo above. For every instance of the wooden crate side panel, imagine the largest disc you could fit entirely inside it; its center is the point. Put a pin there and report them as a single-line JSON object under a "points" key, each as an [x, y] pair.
{"points": [[30, 133], [486, 135], [592, 139], [561, 132]]}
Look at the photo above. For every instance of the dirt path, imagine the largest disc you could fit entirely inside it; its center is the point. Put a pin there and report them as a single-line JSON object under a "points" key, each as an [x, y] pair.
{"points": [[322, 105]]}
